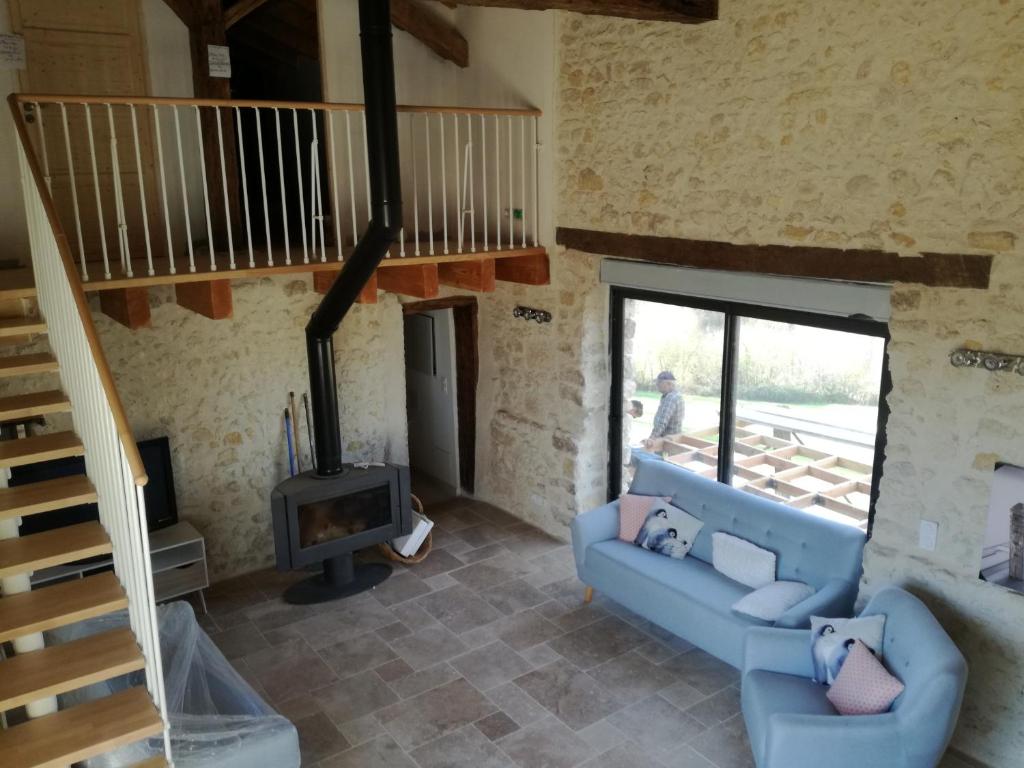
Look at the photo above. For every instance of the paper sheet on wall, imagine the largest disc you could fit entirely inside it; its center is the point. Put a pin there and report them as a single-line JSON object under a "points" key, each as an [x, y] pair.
{"points": [[12, 52], [219, 60]]}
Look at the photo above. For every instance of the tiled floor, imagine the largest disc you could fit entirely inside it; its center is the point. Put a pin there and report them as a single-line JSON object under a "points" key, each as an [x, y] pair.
{"points": [[483, 656]]}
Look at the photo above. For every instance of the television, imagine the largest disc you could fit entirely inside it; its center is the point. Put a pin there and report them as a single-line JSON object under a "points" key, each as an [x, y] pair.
{"points": [[161, 503]]}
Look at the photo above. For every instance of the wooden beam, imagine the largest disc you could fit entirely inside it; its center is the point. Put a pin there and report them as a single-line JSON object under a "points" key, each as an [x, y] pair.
{"points": [[239, 10], [322, 282], [530, 270], [211, 299], [945, 270], [681, 11], [128, 306], [470, 275], [434, 32], [420, 281]]}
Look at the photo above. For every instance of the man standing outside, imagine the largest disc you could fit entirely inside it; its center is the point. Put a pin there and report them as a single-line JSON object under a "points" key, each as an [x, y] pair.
{"points": [[669, 418]]}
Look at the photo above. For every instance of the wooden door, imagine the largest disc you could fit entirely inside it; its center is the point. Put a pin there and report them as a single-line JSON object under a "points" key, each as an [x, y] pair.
{"points": [[95, 49]]}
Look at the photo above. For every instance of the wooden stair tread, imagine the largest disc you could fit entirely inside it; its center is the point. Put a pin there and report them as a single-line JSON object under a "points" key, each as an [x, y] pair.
{"points": [[46, 496], [55, 547], [153, 762], [21, 326], [58, 669], [59, 605], [19, 365], [18, 283], [31, 404], [84, 731], [28, 450]]}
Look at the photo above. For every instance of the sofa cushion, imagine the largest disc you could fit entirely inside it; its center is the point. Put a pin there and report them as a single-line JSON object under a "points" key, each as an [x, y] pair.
{"points": [[769, 693], [693, 578]]}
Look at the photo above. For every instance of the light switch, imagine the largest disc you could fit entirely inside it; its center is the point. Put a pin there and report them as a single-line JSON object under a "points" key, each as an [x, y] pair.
{"points": [[928, 535]]}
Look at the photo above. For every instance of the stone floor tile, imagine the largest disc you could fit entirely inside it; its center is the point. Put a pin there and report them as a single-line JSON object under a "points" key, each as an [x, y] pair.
{"points": [[298, 707], [656, 651], [362, 729], [632, 677], [529, 542], [702, 671], [273, 614], [428, 647], [571, 695], [547, 743], [414, 617], [683, 695], [601, 736], [655, 721], [526, 629], [495, 516], [481, 636], [492, 572], [439, 582], [514, 596], [717, 708], [354, 697], [418, 682], [382, 752], [319, 738], [465, 748], [436, 563], [597, 643], [393, 631], [458, 608], [491, 665], [496, 726], [455, 517], [517, 704], [350, 657], [481, 535], [482, 553], [287, 670], [398, 588], [437, 712], [726, 744], [239, 640], [540, 655], [569, 619], [623, 756], [393, 670]]}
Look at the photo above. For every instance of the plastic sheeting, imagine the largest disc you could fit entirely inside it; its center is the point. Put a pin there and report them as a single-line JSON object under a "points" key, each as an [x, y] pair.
{"points": [[216, 718]]}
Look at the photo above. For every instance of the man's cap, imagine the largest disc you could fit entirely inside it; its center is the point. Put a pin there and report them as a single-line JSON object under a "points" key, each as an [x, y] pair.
{"points": [[666, 376]]}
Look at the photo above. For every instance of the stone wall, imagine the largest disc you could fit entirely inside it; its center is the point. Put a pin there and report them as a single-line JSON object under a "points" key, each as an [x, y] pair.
{"points": [[218, 389], [894, 125]]}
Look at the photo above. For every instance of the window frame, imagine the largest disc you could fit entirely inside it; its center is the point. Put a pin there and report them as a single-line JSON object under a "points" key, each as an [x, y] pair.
{"points": [[734, 312]]}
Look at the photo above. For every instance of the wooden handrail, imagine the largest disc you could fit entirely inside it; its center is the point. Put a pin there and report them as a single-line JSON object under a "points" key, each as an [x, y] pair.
{"points": [[28, 98], [131, 450]]}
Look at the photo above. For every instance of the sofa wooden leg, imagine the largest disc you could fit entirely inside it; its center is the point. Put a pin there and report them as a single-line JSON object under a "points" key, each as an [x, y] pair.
{"points": [[588, 594]]}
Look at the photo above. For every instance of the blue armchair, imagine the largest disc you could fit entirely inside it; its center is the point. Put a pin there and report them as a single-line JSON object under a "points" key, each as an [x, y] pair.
{"points": [[792, 725]]}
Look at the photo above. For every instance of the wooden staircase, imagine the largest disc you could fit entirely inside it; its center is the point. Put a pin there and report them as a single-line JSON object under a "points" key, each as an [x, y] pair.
{"points": [[92, 728]]}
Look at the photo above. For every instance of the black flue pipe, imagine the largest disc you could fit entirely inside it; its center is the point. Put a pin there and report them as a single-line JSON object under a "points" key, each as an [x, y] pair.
{"points": [[385, 225]]}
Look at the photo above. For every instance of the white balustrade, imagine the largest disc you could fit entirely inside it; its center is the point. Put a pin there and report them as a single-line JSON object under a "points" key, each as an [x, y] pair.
{"points": [[470, 181], [83, 372]]}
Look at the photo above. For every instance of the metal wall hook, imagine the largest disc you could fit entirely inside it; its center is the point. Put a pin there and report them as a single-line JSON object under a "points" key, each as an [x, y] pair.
{"points": [[989, 361], [529, 313]]}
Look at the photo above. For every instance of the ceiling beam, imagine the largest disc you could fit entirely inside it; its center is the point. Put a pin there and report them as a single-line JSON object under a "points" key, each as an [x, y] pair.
{"points": [[682, 11], [431, 30], [239, 10]]}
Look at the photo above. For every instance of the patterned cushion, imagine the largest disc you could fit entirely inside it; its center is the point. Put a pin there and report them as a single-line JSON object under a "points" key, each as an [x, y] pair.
{"points": [[633, 511], [863, 686]]}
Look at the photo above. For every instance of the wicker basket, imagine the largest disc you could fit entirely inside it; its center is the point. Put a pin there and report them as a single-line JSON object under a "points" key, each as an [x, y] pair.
{"points": [[425, 547]]}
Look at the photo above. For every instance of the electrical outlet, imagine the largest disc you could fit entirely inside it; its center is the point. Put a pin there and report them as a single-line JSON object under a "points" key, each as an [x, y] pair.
{"points": [[928, 535]]}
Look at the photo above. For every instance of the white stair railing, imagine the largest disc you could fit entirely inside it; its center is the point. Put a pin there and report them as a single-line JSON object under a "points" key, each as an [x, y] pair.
{"points": [[112, 459], [277, 177]]}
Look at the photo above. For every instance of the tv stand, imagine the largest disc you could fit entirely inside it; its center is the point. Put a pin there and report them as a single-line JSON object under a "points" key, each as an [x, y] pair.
{"points": [[178, 556]]}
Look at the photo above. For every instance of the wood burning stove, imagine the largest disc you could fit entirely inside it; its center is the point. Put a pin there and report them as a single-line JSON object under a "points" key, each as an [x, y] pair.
{"points": [[327, 519]]}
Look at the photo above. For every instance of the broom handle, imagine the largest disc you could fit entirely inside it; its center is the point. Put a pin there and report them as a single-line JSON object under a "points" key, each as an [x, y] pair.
{"points": [[295, 431]]}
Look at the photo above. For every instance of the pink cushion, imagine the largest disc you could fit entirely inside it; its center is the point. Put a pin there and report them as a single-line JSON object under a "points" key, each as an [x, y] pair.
{"points": [[863, 686], [633, 511]]}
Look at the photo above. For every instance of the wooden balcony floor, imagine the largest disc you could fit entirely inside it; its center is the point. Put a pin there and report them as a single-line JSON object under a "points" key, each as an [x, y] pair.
{"points": [[203, 272]]}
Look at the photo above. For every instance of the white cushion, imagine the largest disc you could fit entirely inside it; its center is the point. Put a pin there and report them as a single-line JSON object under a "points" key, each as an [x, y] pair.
{"points": [[742, 561], [772, 600]]}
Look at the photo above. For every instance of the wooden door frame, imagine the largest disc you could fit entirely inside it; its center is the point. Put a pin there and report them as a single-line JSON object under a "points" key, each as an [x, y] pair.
{"points": [[465, 313]]}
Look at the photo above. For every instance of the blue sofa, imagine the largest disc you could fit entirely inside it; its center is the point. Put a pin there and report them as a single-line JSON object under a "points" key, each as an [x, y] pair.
{"points": [[792, 725], [689, 597]]}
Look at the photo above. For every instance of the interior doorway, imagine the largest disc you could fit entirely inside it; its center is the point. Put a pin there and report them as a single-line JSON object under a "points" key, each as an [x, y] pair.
{"points": [[442, 370]]}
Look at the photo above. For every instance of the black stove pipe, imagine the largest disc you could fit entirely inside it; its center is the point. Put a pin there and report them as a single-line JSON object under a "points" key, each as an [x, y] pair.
{"points": [[385, 225]]}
